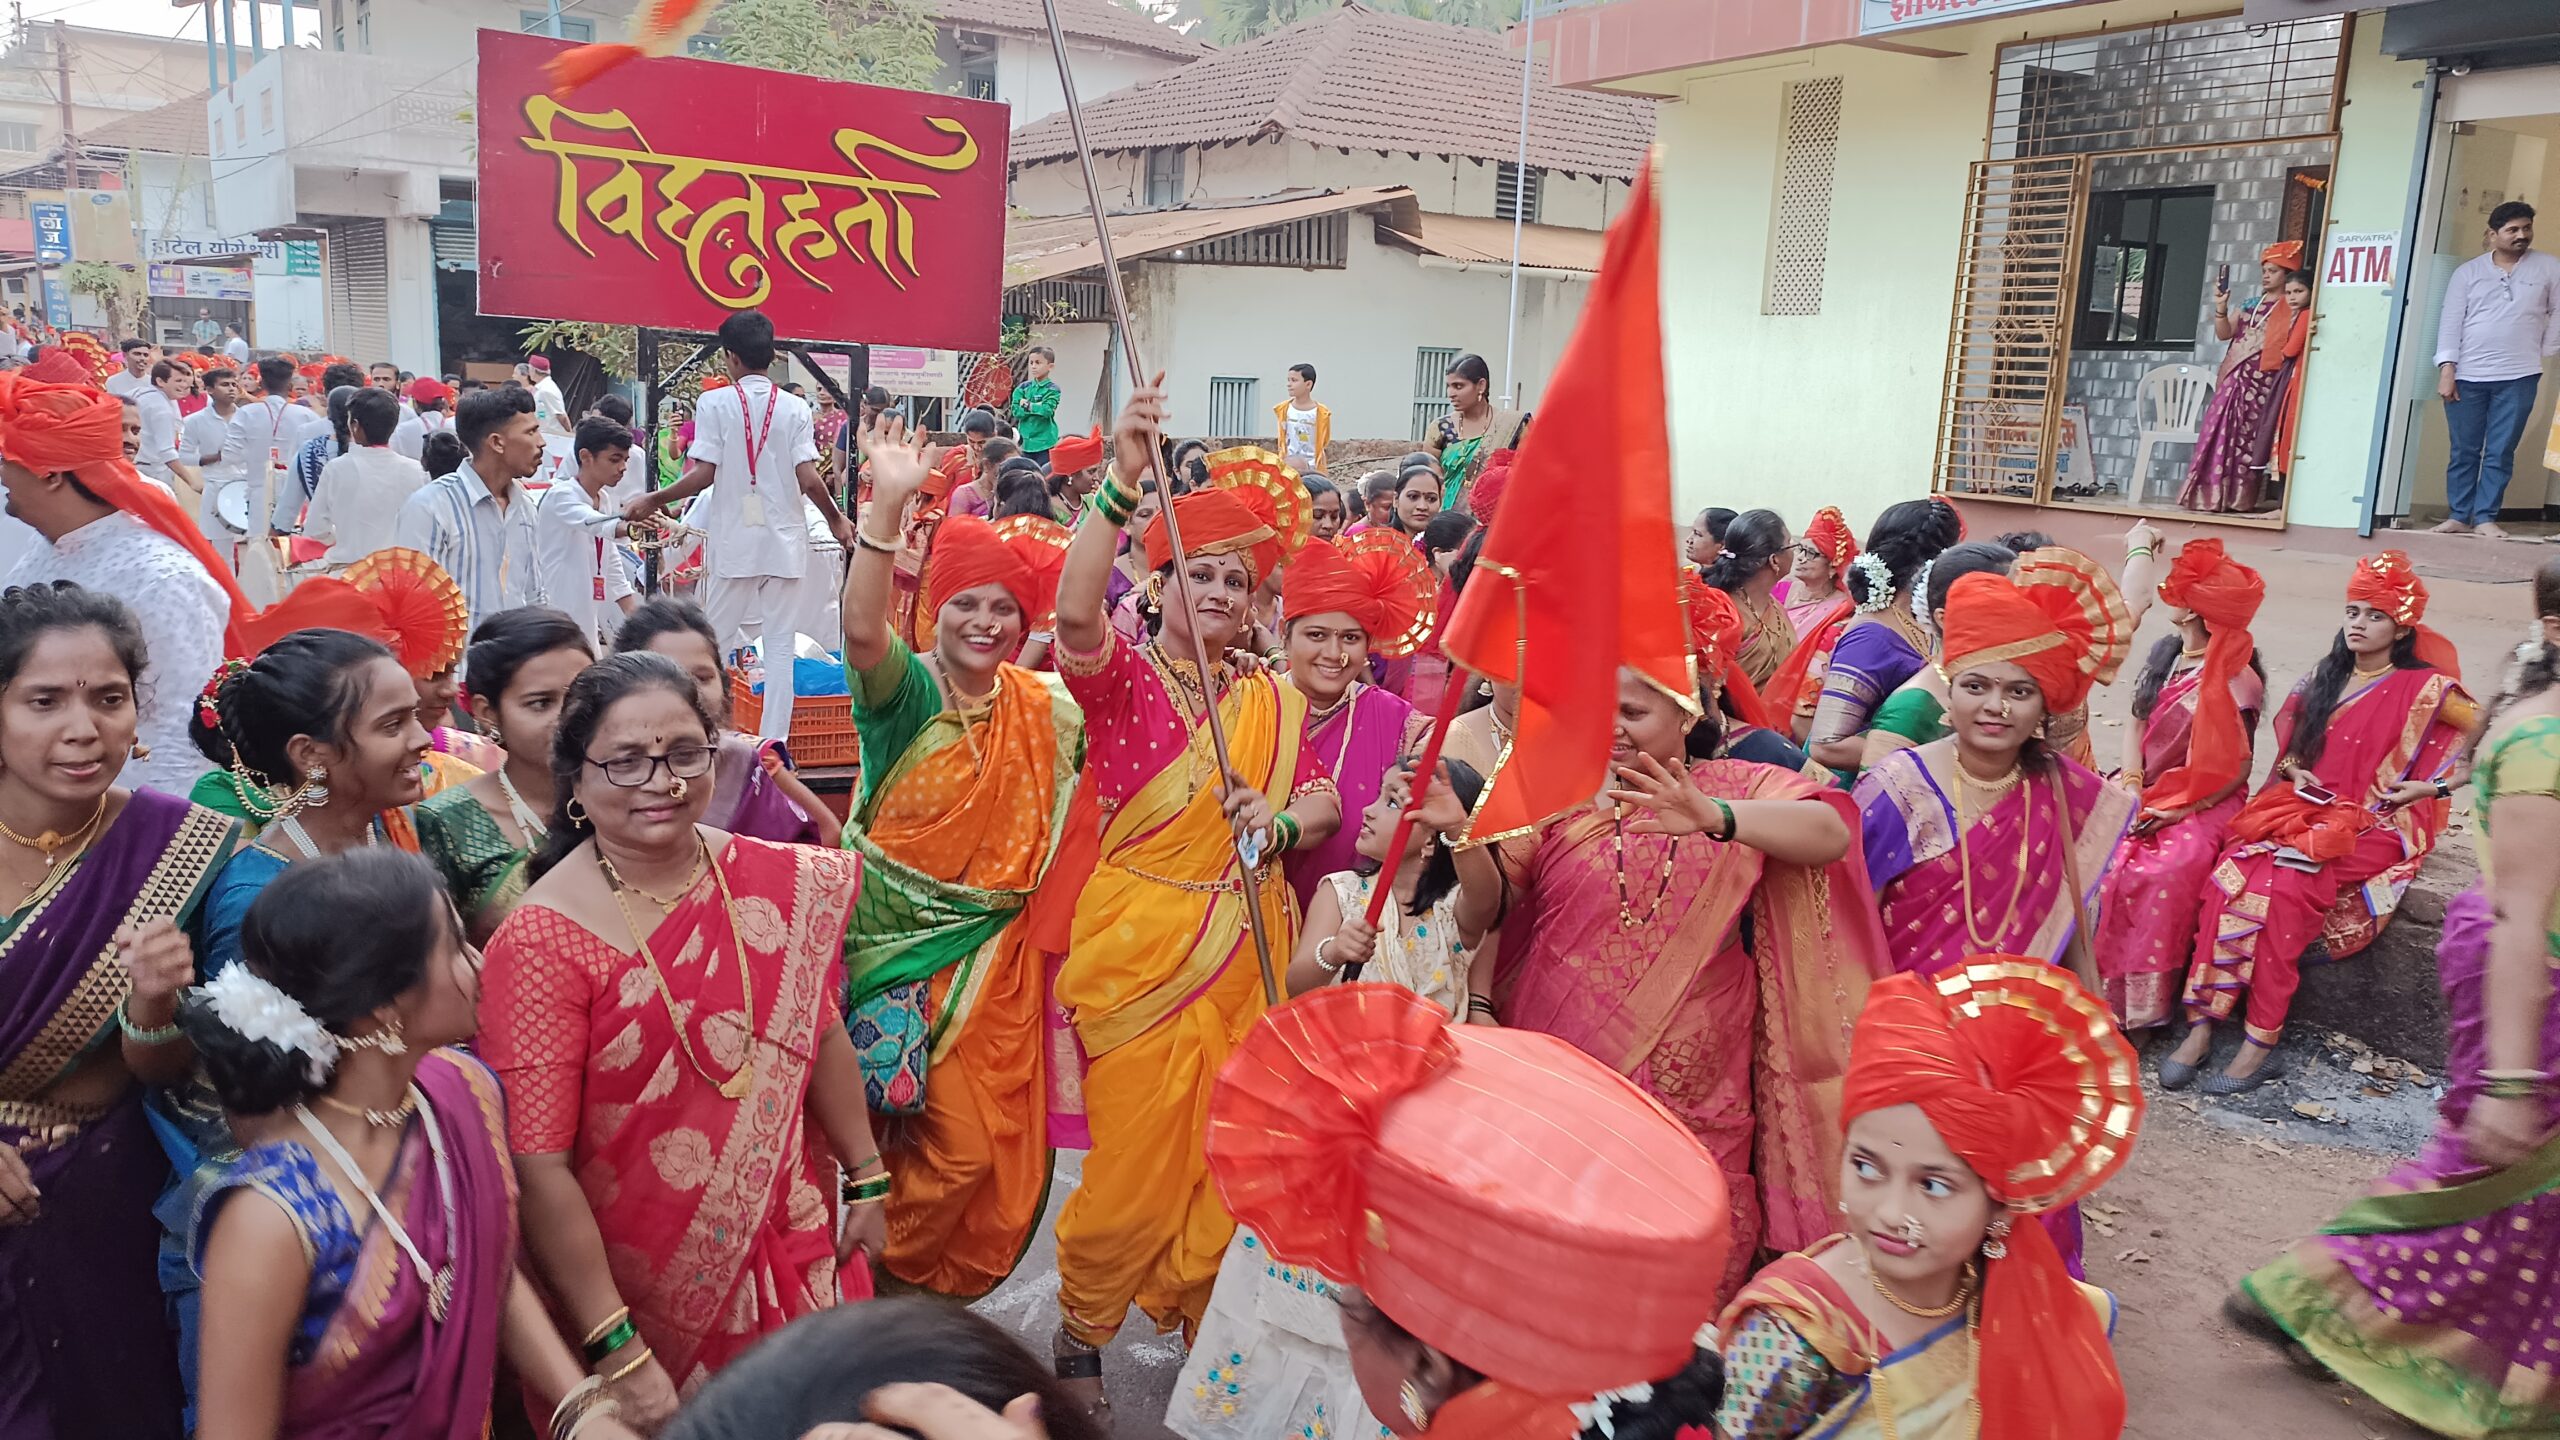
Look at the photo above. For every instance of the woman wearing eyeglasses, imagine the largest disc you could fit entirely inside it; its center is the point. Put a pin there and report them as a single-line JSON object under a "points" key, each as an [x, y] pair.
{"points": [[664, 1009]]}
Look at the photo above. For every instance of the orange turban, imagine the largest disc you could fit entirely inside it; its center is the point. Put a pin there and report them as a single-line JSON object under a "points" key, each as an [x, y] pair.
{"points": [[1829, 534], [2390, 584], [1361, 1134], [1384, 585], [1076, 452], [2024, 1076], [80, 429], [1715, 637], [2225, 594], [2056, 615], [2287, 253], [968, 553], [1219, 522]]}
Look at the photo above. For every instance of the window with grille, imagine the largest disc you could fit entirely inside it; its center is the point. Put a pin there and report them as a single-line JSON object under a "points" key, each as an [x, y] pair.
{"points": [[17, 135], [1232, 406], [979, 84], [1515, 193], [1164, 179], [2142, 269], [1431, 387], [1800, 222], [2166, 87], [538, 22], [705, 46]]}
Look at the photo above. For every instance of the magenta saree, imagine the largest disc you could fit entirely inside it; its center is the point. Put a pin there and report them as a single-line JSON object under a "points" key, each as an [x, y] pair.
{"points": [[2222, 476], [2022, 853], [1358, 740], [1745, 1046], [2156, 881]]}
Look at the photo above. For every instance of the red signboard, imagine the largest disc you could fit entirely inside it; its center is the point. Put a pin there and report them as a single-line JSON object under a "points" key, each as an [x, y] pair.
{"points": [[676, 193]]}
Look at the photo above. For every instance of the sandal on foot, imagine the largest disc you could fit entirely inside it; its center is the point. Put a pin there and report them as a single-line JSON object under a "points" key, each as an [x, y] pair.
{"points": [[2226, 1085], [1072, 1361]]}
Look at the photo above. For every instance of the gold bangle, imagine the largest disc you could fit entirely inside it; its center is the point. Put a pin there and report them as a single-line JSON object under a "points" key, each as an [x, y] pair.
{"points": [[606, 1328], [626, 1371]]}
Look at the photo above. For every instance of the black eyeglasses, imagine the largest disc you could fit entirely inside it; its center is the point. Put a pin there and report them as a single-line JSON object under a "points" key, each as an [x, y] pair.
{"points": [[630, 772]]}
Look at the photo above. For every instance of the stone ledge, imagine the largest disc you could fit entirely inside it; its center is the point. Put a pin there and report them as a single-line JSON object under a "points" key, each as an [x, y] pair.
{"points": [[2388, 996]]}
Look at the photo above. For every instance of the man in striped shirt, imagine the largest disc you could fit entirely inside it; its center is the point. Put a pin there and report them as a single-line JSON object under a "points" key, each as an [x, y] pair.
{"points": [[478, 521]]}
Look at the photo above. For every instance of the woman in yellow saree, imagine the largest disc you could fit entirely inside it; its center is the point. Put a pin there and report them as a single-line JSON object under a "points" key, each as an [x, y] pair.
{"points": [[1161, 977], [968, 762]]}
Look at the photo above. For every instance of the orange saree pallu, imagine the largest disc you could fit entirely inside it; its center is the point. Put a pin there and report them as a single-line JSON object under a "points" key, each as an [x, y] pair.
{"points": [[961, 823], [1631, 949], [1161, 977], [718, 1214]]}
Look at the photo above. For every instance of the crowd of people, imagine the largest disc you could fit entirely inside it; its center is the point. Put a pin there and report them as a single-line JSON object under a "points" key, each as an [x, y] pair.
{"points": [[426, 1010]]}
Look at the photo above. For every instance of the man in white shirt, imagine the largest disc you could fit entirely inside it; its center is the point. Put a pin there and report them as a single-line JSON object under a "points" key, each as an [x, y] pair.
{"points": [[756, 450], [104, 528], [635, 465], [158, 405], [575, 527], [548, 406], [135, 377], [204, 438], [357, 502], [431, 410], [236, 346], [478, 521], [2501, 320], [269, 431]]}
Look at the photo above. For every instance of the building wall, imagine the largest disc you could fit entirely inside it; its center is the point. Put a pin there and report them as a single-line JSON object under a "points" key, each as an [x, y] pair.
{"points": [[1185, 317], [1027, 74], [113, 75], [1443, 185], [1851, 397]]}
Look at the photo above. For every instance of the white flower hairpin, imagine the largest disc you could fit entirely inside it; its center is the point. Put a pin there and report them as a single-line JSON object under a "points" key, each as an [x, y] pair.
{"points": [[254, 1008]]}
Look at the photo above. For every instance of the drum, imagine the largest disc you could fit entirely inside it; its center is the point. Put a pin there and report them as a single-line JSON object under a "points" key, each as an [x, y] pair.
{"points": [[231, 504]]}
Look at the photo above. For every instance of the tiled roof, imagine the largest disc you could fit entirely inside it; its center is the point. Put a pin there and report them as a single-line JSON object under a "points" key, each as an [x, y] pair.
{"points": [[1482, 240], [1044, 247], [1100, 21], [177, 128], [1362, 80]]}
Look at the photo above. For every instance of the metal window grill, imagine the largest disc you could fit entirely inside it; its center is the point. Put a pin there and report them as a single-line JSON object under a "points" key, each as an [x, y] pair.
{"points": [[2173, 86], [1515, 194], [1800, 227], [1431, 387], [1231, 405], [1164, 178], [2009, 344], [1319, 242]]}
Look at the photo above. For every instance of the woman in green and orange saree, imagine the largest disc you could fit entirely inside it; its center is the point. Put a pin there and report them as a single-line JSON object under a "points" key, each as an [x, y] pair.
{"points": [[967, 765]]}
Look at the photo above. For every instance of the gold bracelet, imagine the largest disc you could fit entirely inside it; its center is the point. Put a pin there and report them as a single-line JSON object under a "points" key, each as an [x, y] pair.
{"points": [[626, 1371]]}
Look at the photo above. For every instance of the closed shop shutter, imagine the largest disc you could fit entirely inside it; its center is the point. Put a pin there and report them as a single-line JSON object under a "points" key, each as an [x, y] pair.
{"points": [[359, 291], [457, 246]]}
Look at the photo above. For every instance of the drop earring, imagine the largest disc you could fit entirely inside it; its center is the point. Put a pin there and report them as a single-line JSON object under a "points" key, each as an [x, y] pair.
{"points": [[315, 791], [140, 751], [576, 812], [1995, 1240], [1409, 1400]]}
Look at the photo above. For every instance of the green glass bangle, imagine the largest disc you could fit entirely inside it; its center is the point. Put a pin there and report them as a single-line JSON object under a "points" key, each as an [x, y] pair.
{"points": [[1727, 811], [139, 1036], [873, 1188], [614, 1339]]}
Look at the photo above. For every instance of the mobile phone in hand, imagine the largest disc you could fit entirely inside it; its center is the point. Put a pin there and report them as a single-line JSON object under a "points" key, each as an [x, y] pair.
{"points": [[2222, 280], [2315, 792]]}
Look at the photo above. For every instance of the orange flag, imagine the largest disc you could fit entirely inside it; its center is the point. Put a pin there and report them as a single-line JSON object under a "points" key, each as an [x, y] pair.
{"points": [[661, 28], [1578, 576]]}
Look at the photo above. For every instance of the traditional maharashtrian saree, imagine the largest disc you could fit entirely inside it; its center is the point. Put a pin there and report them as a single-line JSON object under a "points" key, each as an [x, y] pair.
{"points": [[1873, 656], [85, 1344], [960, 816], [2434, 1294], [1161, 975], [1630, 947], [484, 871], [370, 1355], [718, 1214], [2260, 915]]}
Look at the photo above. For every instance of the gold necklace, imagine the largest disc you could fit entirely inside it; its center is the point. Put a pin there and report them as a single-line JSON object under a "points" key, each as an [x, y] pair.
{"points": [[1964, 1293], [1964, 870], [1992, 788], [51, 844], [668, 904], [737, 1085], [391, 1119], [1626, 908], [2361, 674]]}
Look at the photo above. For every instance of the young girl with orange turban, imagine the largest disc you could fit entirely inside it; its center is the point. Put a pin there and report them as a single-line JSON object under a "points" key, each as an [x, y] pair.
{"points": [[2367, 744], [1997, 1091], [2195, 708], [967, 764]]}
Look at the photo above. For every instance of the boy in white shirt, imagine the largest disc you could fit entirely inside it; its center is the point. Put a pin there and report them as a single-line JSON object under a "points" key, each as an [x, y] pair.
{"points": [[756, 450], [575, 530], [203, 439], [360, 493]]}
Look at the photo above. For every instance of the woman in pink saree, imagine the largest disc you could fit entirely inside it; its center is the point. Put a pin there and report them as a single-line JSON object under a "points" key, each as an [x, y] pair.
{"points": [[2228, 472], [359, 1256], [2196, 711], [1626, 939], [1342, 602]]}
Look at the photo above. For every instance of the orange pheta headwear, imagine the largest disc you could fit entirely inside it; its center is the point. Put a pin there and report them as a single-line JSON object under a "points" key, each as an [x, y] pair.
{"points": [[1715, 634], [2057, 615], [1219, 522], [1383, 584], [2390, 584], [1074, 453], [2287, 253], [2025, 1077], [79, 429], [1829, 534], [2225, 594], [969, 552]]}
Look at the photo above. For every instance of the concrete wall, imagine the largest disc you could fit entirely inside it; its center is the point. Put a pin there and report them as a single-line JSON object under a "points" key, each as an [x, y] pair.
{"points": [[1444, 186], [1359, 326], [1027, 74], [1767, 409]]}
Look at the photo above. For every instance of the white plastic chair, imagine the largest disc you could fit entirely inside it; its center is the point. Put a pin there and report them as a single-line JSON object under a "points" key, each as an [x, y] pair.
{"points": [[2168, 404]]}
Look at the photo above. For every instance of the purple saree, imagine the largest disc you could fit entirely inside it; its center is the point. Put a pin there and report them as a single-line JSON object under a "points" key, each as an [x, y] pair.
{"points": [[1358, 741], [85, 1345], [745, 801], [2227, 473]]}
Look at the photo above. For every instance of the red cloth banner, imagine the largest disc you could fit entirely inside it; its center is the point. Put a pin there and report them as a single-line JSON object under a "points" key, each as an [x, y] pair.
{"points": [[676, 193]]}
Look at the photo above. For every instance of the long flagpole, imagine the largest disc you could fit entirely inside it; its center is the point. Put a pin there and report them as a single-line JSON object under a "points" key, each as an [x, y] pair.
{"points": [[1246, 857]]}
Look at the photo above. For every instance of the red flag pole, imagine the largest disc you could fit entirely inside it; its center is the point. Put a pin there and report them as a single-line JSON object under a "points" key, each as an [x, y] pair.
{"points": [[1172, 523], [1425, 771]]}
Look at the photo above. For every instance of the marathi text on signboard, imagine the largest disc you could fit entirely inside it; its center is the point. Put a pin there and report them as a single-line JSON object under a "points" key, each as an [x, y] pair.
{"points": [[1878, 17], [53, 231], [677, 192], [2360, 259]]}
